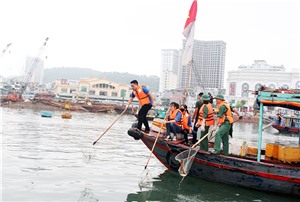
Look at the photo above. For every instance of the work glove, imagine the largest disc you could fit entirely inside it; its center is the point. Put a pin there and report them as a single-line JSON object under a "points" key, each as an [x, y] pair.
{"points": [[202, 128], [215, 128], [240, 117]]}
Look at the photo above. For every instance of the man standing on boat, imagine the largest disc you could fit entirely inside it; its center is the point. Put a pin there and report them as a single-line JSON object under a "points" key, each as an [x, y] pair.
{"points": [[205, 120], [146, 101], [224, 121], [196, 112]]}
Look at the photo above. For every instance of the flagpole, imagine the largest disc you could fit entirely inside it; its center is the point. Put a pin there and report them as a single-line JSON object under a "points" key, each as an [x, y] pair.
{"points": [[187, 54]]}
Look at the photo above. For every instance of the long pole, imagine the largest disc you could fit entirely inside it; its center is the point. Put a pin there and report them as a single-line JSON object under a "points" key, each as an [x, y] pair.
{"points": [[110, 126], [162, 124]]}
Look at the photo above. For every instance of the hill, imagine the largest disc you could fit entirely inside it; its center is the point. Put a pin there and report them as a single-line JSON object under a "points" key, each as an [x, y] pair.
{"points": [[74, 73]]}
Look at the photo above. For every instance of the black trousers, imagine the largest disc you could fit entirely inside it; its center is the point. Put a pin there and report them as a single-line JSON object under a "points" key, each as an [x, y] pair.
{"points": [[142, 117]]}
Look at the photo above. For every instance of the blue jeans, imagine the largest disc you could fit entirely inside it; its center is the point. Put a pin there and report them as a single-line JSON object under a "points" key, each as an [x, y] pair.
{"points": [[172, 127]]}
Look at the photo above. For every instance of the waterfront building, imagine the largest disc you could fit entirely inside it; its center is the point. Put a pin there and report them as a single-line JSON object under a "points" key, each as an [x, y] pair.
{"points": [[92, 89], [241, 83], [170, 62]]}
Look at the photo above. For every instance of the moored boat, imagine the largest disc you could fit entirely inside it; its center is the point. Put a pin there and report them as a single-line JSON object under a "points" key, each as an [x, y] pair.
{"points": [[278, 175], [46, 114], [290, 125], [66, 116]]}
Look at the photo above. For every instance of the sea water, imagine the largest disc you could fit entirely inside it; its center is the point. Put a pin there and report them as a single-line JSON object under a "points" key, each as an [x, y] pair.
{"points": [[53, 159]]}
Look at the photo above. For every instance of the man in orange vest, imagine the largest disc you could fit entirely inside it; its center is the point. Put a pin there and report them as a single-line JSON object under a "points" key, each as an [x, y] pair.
{"points": [[146, 101], [205, 120], [224, 121]]}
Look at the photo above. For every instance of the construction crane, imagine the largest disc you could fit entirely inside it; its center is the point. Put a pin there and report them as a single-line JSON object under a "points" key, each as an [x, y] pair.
{"points": [[33, 65], [5, 49]]}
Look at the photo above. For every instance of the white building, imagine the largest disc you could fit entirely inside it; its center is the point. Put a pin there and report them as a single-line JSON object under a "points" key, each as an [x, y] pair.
{"points": [[170, 61], [208, 66], [248, 78]]}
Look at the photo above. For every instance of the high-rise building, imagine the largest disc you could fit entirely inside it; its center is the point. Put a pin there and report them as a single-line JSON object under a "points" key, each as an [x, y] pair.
{"points": [[34, 70], [170, 61], [207, 68]]}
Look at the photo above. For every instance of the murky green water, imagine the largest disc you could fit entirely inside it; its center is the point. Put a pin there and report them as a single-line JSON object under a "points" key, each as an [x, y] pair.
{"points": [[52, 159]]}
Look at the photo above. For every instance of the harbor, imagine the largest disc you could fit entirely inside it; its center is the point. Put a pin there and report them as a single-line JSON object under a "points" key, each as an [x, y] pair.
{"points": [[55, 159]]}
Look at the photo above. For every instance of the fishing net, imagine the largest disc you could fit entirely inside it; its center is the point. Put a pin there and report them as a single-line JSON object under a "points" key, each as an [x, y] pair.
{"points": [[186, 160], [146, 179]]}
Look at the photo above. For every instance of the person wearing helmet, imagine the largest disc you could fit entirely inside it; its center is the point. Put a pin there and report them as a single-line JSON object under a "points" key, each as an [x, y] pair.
{"points": [[223, 122]]}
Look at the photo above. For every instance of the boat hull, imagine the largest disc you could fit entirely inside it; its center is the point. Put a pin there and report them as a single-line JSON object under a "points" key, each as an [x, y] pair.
{"points": [[284, 129], [265, 176]]}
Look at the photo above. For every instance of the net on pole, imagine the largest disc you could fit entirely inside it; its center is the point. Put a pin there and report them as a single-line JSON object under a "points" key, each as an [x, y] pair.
{"points": [[186, 160]]}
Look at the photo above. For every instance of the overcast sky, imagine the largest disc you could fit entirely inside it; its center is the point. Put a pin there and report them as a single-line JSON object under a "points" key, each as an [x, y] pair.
{"points": [[128, 35]]}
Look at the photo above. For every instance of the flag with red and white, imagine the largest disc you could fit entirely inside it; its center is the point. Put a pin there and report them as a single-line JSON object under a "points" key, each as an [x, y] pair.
{"points": [[188, 33]]}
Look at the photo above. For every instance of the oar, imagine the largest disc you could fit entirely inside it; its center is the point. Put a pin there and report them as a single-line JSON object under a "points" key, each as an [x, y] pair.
{"points": [[156, 140], [110, 126]]}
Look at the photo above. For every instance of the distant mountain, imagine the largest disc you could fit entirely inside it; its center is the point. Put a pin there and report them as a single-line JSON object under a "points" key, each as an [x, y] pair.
{"points": [[152, 82]]}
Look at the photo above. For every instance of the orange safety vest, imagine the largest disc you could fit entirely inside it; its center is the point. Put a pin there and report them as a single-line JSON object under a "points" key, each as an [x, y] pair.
{"points": [[173, 116], [228, 113], [209, 121], [141, 96], [185, 121]]}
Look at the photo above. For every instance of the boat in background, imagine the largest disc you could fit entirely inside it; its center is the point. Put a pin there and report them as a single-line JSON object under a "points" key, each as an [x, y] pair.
{"points": [[274, 169], [66, 115], [46, 114], [289, 125]]}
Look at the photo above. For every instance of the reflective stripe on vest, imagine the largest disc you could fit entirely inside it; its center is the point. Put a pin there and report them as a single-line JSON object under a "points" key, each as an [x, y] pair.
{"points": [[141, 96], [209, 120], [228, 113]]}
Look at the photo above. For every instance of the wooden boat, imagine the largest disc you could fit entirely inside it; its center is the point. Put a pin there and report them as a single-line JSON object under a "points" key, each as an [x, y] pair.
{"points": [[291, 125], [66, 116], [256, 172], [46, 114]]}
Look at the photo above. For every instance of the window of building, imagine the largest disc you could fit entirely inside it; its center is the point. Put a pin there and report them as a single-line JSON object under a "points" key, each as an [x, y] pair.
{"points": [[83, 89], [103, 93], [114, 94], [298, 85], [285, 86], [245, 87], [64, 90], [257, 86], [103, 85], [91, 92], [245, 94], [271, 86]]}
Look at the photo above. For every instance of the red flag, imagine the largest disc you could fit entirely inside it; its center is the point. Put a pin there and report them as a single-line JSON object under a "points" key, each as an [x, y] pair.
{"points": [[188, 32], [190, 19]]}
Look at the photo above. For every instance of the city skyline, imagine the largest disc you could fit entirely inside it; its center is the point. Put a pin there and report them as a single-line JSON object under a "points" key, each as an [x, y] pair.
{"points": [[128, 36]]}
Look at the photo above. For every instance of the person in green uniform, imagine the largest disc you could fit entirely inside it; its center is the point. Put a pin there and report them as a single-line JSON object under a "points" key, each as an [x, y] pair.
{"points": [[224, 121], [205, 120]]}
